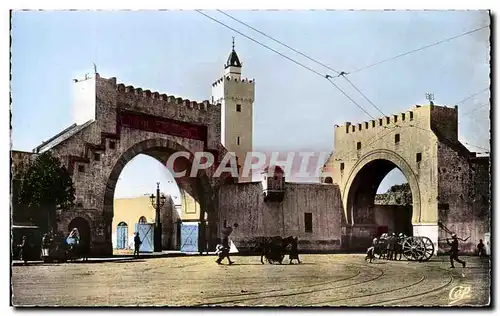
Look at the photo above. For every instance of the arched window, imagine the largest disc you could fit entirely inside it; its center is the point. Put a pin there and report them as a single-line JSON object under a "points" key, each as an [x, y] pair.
{"points": [[121, 235], [329, 180], [142, 220]]}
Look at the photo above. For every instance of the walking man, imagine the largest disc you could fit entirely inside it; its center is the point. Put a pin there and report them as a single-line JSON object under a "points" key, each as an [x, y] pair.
{"points": [[23, 250], [454, 250], [480, 249], [137, 244], [224, 252]]}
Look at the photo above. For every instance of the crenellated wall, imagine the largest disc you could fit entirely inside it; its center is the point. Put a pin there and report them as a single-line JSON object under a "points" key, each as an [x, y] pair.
{"points": [[423, 144], [130, 121]]}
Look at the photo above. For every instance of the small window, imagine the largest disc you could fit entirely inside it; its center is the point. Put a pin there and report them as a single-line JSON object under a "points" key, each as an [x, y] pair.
{"points": [[358, 145], [419, 157], [411, 116], [395, 118], [403, 116], [238, 107], [388, 120], [142, 220], [341, 166], [81, 168], [275, 178], [308, 222], [366, 125], [112, 144], [373, 123], [97, 156], [353, 128], [360, 126], [329, 180], [79, 204], [396, 138], [225, 223], [238, 140], [380, 122]]}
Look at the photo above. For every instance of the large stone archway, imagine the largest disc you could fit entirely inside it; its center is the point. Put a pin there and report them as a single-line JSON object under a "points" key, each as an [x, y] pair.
{"points": [[120, 122], [360, 190], [161, 149], [445, 178]]}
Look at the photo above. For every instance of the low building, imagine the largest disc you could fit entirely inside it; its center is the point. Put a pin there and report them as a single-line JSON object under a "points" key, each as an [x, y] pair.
{"points": [[272, 207], [128, 212]]}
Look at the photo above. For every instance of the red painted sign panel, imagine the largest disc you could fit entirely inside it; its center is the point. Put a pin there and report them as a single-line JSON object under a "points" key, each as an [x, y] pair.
{"points": [[156, 124]]}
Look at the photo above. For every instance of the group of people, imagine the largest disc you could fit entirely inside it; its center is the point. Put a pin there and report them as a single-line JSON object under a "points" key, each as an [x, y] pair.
{"points": [[387, 246]]}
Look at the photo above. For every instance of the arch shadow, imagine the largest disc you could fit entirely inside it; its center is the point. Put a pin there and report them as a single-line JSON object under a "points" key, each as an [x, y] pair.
{"points": [[372, 168]]}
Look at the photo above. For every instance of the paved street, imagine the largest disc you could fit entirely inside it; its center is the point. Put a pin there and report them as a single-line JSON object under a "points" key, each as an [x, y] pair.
{"points": [[322, 280]]}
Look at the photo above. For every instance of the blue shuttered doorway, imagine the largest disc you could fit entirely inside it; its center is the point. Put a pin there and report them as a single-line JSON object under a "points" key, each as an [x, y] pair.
{"points": [[146, 236], [189, 237], [121, 236]]}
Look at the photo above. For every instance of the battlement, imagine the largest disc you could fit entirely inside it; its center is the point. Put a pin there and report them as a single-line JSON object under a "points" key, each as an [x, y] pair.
{"points": [[393, 120], [147, 96], [228, 78], [169, 99]]}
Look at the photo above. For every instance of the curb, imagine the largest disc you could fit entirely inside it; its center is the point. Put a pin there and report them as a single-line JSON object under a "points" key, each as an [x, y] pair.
{"points": [[114, 259]]}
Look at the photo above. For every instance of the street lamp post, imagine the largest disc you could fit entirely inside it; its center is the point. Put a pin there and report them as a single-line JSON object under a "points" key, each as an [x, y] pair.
{"points": [[157, 202]]}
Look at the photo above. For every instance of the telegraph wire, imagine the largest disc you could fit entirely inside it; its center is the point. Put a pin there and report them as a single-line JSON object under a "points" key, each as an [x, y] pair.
{"points": [[290, 59], [471, 96], [339, 74], [476, 146], [287, 46], [336, 86], [480, 107], [418, 49], [364, 96]]}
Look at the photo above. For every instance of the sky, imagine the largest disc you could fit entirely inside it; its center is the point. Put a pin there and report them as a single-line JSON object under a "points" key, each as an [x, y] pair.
{"points": [[182, 52]]}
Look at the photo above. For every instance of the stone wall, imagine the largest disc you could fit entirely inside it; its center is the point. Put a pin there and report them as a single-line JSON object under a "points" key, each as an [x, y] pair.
{"points": [[97, 152], [244, 204]]}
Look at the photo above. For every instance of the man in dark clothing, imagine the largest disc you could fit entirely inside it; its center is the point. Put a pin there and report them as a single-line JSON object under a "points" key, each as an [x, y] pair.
{"points": [[23, 249], [137, 244], [480, 249], [454, 250], [390, 246], [226, 231]]}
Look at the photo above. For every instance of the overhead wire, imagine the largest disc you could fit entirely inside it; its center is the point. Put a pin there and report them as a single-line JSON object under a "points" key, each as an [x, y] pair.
{"points": [[471, 96], [279, 42], [339, 74], [475, 109], [417, 50], [288, 58]]}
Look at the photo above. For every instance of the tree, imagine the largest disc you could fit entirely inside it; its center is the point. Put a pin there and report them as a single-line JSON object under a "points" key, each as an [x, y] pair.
{"points": [[45, 187]]}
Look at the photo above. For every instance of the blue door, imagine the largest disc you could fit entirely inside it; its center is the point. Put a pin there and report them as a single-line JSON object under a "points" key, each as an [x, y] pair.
{"points": [[189, 237], [146, 235], [121, 236]]}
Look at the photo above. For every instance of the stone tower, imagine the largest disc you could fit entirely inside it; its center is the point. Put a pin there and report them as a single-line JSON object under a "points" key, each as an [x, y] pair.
{"points": [[236, 96]]}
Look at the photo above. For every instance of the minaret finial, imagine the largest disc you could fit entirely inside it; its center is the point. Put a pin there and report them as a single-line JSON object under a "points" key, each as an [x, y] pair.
{"points": [[233, 42]]}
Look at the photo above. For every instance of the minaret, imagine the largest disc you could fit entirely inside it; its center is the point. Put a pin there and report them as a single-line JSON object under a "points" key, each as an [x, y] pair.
{"points": [[236, 96]]}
